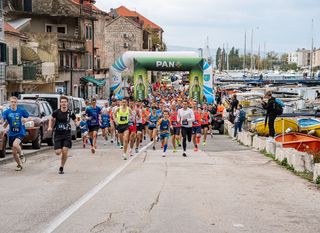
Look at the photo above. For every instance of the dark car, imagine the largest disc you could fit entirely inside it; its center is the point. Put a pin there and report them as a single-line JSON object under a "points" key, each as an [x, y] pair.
{"points": [[37, 129]]}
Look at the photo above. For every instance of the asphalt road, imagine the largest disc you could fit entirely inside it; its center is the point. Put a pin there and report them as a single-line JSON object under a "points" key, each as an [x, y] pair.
{"points": [[222, 188]]}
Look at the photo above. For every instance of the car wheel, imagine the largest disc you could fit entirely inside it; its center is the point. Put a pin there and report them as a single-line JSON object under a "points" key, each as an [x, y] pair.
{"points": [[4, 147], [221, 130], [36, 144]]}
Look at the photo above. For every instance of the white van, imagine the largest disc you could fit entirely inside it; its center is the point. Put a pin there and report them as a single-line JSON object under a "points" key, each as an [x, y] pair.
{"points": [[54, 101]]}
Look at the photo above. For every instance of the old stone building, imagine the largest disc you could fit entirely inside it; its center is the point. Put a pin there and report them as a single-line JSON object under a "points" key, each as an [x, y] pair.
{"points": [[70, 26], [121, 35], [2, 56]]}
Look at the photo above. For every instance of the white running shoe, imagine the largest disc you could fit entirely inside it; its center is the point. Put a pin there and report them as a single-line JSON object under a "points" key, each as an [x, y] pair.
{"points": [[124, 157], [163, 154]]}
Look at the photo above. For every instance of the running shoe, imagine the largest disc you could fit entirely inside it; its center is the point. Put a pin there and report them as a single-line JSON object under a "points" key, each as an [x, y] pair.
{"points": [[93, 150], [118, 144], [105, 143], [163, 154], [19, 168], [196, 149], [111, 140], [61, 170], [23, 158], [184, 154], [154, 148], [121, 147], [137, 150], [174, 150], [204, 143], [124, 157], [144, 137]]}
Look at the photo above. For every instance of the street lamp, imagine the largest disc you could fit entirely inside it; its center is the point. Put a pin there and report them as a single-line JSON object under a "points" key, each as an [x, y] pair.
{"points": [[200, 52]]}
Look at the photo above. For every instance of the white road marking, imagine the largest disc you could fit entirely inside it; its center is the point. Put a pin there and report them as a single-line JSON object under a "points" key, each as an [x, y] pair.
{"points": [[86, 197]]}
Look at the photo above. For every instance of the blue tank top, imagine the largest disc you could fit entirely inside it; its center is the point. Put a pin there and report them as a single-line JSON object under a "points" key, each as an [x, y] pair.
{"points": [[153, 120], [164, 126]]}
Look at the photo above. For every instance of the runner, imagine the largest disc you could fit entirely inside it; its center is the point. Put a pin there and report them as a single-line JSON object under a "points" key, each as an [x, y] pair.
{"points": [[185, 118], [132, 126], [196, 126], [15, 117], [140, 125], [84, 130], [206, 119], [93, 112], [145, 115], [122, 115], [62, 131], [114, 110], [105, 124], [175, 127], [164, 126], [152, 126]]}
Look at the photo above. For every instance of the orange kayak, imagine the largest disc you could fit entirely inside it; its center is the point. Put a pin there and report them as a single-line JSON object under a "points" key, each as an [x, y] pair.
{"points": [[300, 142]]}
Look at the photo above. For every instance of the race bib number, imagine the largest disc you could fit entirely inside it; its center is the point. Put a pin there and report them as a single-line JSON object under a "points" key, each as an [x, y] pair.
{"points": [[15, 129], [195, 122], [123, 118], [185, 122], [63, 127], [165, 127], [131, 123], [174, 123]]}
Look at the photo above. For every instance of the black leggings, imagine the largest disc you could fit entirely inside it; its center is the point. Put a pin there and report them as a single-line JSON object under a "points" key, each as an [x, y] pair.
{"points": [[186, 132]]}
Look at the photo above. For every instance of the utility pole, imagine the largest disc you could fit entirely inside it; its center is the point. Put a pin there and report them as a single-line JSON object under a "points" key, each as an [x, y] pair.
{"points": [[251, 64]]}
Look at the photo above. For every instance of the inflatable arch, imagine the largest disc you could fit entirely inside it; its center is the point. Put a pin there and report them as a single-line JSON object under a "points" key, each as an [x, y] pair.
{"points": [[201, 80]]}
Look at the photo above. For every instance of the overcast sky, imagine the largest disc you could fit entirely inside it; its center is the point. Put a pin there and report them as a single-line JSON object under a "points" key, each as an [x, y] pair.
{"points": [[283, 25]]}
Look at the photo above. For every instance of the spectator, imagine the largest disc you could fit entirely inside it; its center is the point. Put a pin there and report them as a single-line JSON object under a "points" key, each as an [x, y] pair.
{"points": [[240, 117], [271, 116]]}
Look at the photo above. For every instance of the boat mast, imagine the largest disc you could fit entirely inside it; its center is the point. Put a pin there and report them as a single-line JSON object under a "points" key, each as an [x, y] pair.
{"points": [[245, 52], [311, 53], [251, 65]]}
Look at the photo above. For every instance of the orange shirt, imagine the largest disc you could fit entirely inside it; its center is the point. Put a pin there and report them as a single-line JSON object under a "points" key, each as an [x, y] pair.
{"points": [[205, 118], [197, 117], [174, 119]]}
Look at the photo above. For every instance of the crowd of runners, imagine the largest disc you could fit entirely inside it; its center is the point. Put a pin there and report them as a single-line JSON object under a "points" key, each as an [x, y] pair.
{"points": [[127, 124]]}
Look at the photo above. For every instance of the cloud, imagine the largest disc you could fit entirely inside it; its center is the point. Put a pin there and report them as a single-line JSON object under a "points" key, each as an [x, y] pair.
{"points": [[283, 24]]}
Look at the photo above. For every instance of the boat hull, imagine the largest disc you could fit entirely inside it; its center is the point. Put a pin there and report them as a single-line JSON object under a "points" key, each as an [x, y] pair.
{"points": [[281, 125]]}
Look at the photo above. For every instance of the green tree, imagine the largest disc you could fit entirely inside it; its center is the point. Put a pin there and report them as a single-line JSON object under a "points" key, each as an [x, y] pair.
{"points": [[218, 57]]}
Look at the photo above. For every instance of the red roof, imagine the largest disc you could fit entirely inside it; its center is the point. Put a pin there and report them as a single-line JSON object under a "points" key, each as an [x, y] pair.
{"points": [[9, 28], [125, 12], [87, 3]]}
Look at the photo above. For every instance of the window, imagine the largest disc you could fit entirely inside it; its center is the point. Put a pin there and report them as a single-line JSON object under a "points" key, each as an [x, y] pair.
{"points": [[3, 52], [61, 30], [61, 60], [67, 60], [88, 32], [14, 56], [27, 5], [49, 28], [75, 61], [46, 109]]}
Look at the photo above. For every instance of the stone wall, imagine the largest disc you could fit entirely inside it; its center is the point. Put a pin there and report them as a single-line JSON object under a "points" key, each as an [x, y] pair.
{"points": [[117, 33], [99, 39]]}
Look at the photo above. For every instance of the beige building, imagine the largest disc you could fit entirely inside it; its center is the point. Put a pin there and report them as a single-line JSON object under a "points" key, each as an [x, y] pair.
{"points": [[121, 35], [316, 58]]}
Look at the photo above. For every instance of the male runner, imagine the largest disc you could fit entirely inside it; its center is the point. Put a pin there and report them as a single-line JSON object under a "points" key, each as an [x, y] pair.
{"points": [[175, 127], [196, 126], [152, 126], [93, 112], [132, 126], [62, 130], [15, 117], [105, 124], [164, 126], [140, 125], [122, 115], [185, 118], [206, 119]]}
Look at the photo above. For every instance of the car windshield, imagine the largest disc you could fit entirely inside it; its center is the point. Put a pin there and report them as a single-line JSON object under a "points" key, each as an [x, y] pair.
{"points": [[53, 101], [32, 109]]}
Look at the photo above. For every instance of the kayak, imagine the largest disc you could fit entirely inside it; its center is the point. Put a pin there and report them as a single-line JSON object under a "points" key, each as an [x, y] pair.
{"points": [[309, 126], [259, 126], [300, 142]]}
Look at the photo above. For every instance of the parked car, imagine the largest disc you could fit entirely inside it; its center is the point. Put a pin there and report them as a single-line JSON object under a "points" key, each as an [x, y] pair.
{"points": [[54, 101], [37, 129]]}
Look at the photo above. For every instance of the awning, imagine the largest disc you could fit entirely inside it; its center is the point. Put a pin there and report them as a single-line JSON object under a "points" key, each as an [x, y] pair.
{"points": [[93, 80], [28, 54]]}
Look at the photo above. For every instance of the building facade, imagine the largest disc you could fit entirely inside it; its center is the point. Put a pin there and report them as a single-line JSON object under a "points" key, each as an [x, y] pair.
{"points": [[316, 59], [3, 50], [302, 57]]}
